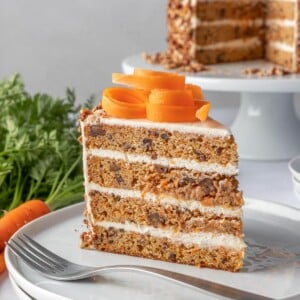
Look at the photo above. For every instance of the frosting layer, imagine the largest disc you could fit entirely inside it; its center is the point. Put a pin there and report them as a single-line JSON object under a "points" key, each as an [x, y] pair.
{"points": [[203, 240], [210, 127]]}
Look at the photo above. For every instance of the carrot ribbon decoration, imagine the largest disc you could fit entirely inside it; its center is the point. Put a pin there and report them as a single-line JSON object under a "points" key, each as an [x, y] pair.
{"points": [[124, 103], [148, 80], [171, 106], [157, 96]]}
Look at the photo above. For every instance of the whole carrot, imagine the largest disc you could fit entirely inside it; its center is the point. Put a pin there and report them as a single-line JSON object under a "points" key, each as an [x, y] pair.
{"points": [[16, 218], [2, 262]]}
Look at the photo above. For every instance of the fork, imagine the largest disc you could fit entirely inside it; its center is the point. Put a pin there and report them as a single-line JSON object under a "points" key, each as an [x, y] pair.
{"points": [[55, 267]]}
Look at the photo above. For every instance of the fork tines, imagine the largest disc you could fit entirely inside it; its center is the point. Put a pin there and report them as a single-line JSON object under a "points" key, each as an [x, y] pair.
{"points": [[35, 255]]}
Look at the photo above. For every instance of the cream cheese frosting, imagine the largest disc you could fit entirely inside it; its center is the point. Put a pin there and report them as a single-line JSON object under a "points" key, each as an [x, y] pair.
{"points": [[210, 127], [231, 22], [201, 239]]}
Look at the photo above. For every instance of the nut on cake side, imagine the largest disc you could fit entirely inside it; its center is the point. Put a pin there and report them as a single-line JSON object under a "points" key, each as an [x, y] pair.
{"points": [[162, 190]]}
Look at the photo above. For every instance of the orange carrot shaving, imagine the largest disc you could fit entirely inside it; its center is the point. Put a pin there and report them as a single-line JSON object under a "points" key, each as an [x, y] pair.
{"points": [[202, 112], [196, 91], [168, 113], [2, 262], [150, 81], [16, 218], [157, 96], [171, 106], [124, 103], [171, 97]]}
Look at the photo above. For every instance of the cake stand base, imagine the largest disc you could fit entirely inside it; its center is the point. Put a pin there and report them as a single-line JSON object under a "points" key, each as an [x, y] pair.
{"points": [[266, 127]]}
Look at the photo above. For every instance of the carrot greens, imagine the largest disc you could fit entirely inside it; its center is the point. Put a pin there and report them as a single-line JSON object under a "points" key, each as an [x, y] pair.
{"points": [[40, 156]]}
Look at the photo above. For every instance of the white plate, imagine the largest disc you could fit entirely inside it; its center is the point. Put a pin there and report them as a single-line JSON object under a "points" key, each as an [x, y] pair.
{"points": [[272, 267], [22, 295]]}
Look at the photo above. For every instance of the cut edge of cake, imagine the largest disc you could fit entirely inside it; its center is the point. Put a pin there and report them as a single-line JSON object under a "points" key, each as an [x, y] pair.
{"points": [[135, 207]]}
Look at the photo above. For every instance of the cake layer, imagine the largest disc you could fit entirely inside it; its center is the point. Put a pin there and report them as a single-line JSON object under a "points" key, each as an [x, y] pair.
{"points": [[282, 57], [176, 162], [277, 32], [149, 246], [210, 211], [157, 142], [280, 9], [213, 189], [208, 33], [229, 54], [242, 9], [113, 208]]}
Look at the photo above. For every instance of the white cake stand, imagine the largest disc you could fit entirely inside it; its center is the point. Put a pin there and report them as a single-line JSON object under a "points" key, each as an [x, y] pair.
{"points": [[266, 127]]}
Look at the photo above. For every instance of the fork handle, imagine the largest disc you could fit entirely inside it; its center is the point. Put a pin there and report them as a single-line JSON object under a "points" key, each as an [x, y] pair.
{"points": [[187, 280]]}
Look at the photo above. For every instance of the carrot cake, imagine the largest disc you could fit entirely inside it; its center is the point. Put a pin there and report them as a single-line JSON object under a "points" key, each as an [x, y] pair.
{"points": [[217, 31], [161, 183]]}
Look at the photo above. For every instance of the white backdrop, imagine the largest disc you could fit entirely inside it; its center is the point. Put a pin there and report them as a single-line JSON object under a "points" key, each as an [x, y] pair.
{"points": [[78, 43]]}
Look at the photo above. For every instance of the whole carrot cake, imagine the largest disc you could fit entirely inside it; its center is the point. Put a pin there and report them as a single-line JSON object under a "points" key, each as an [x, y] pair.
{"points": [[216, 31], [160, 175]]}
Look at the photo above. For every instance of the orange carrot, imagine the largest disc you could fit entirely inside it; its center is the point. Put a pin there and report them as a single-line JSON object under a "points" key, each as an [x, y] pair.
{"points": [[202, 112], [200, 103], [16, 218], [2, 262], [195, 90], [169, 113], [171, 106], [157, 96], [171, 97], [124, 103], [151, 81]]}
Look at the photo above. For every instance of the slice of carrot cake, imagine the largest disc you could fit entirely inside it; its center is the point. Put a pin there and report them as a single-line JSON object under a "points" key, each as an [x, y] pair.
{"points": [[159, 182]]}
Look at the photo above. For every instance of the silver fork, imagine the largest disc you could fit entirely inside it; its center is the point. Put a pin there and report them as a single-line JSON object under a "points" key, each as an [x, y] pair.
{"points": [[55, 267]]}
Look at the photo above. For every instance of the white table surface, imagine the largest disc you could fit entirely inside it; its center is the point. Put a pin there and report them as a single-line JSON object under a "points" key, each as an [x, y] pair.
{"points": [[270, 181]]}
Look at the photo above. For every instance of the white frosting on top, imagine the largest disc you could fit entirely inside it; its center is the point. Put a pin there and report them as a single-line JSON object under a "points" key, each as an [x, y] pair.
{"points": [[166, 200], [201, 239], [238, 43], [209, 128], [204, 167]]}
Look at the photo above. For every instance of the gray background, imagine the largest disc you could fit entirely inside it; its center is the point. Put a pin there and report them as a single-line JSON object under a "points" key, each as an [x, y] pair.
{"points": [[79, 43]]}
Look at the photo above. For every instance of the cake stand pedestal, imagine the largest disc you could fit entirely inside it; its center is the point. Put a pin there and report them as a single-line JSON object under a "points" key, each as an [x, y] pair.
{"points": [[266, 126]]}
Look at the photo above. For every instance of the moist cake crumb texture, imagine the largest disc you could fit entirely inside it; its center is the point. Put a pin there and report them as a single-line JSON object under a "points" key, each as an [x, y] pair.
{"points": [[162, 192]]}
